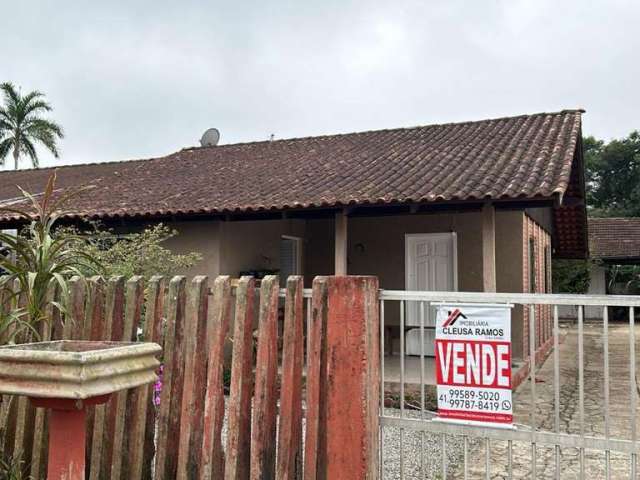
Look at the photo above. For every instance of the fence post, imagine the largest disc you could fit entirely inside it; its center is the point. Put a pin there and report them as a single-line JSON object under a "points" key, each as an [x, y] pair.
{"points": [[345, 390]]}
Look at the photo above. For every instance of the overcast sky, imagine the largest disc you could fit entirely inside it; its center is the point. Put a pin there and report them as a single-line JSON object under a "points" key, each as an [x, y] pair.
{"points": [[134, 79]]}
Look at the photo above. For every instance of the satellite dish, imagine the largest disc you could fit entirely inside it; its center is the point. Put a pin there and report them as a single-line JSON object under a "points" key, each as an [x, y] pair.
{"points": [[210, 138]]}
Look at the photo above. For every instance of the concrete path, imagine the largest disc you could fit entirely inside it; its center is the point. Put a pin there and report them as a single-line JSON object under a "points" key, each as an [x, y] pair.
{"points": [[594, 410]]}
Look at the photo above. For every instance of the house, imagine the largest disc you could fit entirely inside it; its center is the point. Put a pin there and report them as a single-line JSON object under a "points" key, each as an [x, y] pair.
{"points": [[473, 206], [613, 242]]}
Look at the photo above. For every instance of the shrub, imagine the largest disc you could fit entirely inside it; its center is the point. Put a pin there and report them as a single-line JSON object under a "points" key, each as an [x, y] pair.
{"points": [[132, 254], [571, 276]]}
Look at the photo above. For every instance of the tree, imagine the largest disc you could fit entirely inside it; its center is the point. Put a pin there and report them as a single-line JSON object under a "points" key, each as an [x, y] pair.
{"points": [[22, 125], [613, 176]]}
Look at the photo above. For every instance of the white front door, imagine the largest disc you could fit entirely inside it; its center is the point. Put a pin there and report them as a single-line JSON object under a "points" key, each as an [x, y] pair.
{"points": [[430, 266]]}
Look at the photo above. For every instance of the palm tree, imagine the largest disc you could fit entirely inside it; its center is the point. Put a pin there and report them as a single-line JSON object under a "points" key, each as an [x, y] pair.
{"points": [[22, 125]]}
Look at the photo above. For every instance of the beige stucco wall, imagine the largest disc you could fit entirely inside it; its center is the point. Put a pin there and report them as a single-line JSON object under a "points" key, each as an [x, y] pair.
{"points": [[231, 247], [202, 237], [509, 267], [383, 239], [375, 246], [509, 251], [381, 249], [255, 244]]}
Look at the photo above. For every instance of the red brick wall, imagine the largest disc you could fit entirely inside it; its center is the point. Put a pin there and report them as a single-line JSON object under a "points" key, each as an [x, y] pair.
{"points": [[542, 247]]}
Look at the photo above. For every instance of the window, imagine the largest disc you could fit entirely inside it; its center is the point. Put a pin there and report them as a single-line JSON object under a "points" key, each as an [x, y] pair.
{"points": [[532, 265], [290, 258]]}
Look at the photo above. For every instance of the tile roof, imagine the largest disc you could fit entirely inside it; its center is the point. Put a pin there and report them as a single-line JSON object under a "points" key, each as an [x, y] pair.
{"points": [[516, 157], [522, 157], [614, 238]]}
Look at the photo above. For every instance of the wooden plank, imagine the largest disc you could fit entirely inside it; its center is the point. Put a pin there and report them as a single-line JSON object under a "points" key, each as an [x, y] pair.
{"points": [[171, 396], [350, 382], [194, 383], [316, 363], [6, 304], [74, 320], [289, 464], [94, 325], [115, 307], [8, 402], [263, 428], [142, 420], [212, 456], [25, 412], [134, 299], [39, 451], [239, 414], [22, 440], [94, 317], [104, 418]]}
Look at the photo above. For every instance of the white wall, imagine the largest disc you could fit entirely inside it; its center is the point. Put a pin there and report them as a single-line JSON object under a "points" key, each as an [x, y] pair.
{"points": [[597, 286]]}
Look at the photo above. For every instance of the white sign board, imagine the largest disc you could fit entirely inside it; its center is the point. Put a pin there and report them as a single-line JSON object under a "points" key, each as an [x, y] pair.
{"points": [[473, 363]]}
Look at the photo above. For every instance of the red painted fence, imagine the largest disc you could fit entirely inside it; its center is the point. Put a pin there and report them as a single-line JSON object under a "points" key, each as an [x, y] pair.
{"points": [[132, 437]]}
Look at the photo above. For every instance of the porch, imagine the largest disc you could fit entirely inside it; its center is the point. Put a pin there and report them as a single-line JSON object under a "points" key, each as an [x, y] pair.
{"points": [[472, 247]]}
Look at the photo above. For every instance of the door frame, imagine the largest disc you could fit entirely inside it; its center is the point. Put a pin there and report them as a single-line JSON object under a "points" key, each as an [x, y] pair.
{"points": [[299, 256], [449, 235]]}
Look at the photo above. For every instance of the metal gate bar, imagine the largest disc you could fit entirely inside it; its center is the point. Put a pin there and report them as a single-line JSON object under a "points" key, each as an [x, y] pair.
{"points": [[534, 434], [520, 434]]}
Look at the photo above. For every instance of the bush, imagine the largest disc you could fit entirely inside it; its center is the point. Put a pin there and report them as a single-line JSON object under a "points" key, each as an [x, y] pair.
{"points": [[571, 276], [132, 254]]}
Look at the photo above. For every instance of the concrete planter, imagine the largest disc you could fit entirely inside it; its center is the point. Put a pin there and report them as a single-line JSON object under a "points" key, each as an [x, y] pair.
{"points": [[76, 369]]}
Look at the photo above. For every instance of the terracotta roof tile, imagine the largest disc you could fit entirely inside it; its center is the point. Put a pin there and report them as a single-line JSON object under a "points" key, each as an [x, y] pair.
{"points": [[528, 156], [524, 157], [614, 238]]}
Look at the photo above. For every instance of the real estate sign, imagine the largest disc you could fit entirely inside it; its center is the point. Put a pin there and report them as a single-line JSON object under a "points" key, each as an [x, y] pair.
{"points": [[473, 363]]}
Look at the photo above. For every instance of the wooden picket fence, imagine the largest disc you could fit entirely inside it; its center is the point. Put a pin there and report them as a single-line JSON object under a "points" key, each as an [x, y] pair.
{"points": [[132, 438]]}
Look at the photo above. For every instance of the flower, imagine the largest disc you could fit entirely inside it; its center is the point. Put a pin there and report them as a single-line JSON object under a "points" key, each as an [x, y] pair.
{"points": [[157, 387]]}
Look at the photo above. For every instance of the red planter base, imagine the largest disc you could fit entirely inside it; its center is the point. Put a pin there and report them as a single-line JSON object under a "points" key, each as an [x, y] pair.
{"points": [[67, 432]]}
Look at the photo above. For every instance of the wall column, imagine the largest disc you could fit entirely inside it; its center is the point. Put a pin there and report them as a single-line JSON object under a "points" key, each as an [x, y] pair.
{"points": [[488, 248], [340, 243]]}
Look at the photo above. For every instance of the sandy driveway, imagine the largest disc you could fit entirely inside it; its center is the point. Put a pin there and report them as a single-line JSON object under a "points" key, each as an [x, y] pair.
{"points": [[594, 405]]}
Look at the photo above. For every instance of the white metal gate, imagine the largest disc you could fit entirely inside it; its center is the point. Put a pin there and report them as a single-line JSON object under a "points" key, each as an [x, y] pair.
{"points": [[558, 437]]}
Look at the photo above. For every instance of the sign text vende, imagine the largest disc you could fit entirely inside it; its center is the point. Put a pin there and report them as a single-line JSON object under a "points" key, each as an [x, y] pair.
{"points": [[473, 363]]}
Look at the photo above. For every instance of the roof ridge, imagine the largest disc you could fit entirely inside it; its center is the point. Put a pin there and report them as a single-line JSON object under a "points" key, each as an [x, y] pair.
{"points": [[76, 165], [398, 129]]}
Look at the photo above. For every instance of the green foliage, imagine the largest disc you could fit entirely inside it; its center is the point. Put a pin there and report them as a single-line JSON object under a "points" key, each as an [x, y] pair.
{"points": [[13, 469], [133, 254], [626, 276], [613, 176], [22, 125], [38, 259], [571, 276]]}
